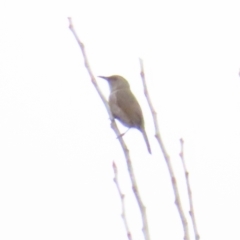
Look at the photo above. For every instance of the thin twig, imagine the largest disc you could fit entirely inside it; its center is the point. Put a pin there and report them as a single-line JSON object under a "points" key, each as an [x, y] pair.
{"points": [[191, 212], [122, 201], [166, 156], [87, 65], [115, 129]]}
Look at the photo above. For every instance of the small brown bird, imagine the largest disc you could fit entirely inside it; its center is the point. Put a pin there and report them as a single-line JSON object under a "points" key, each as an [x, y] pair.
{"points": [[124, 106]]}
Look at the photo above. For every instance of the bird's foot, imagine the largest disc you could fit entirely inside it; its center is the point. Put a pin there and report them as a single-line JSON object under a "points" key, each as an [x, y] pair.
{"points": [[121, 135]]}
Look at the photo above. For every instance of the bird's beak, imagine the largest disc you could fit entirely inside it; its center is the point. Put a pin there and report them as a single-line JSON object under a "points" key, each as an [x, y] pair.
{"points": [[106, 78]]}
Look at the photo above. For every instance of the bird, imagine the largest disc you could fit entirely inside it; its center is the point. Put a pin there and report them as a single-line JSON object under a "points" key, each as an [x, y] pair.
{"points": [[124, 105]]}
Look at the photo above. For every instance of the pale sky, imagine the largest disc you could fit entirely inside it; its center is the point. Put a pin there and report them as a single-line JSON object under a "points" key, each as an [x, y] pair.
{"points": [[57, 146]]}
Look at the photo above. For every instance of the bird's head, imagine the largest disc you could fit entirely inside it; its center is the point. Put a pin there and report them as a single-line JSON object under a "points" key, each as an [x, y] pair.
{"points": [[116, 82]]}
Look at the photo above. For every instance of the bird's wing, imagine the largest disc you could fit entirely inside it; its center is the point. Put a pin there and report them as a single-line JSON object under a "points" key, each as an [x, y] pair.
{"points": [[126, 108]]}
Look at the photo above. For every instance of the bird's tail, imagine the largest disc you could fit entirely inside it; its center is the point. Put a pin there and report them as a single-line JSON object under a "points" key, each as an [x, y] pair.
{"points": [[146, 140]]}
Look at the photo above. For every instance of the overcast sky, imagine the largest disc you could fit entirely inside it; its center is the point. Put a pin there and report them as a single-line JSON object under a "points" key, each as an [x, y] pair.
{"points": [[56, 143]]}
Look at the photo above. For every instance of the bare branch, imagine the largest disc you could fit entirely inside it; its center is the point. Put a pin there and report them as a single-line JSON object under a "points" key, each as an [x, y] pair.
{"points": [[115, 129], [191, 212], [87, 65], [122, 201], [166, 156]]}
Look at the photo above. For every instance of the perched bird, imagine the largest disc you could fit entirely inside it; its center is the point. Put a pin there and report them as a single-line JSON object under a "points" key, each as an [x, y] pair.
{"points": [[124, 106]]}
